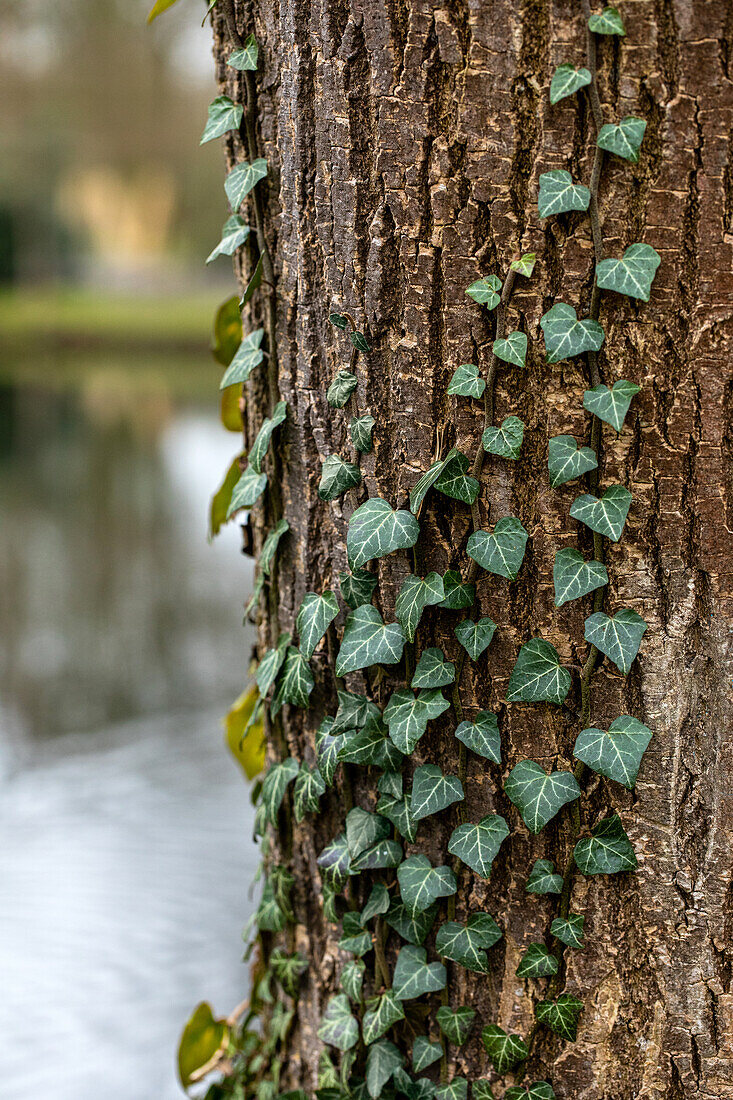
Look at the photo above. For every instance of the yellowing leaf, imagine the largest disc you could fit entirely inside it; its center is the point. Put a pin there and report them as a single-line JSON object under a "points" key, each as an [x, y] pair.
{"points": [[220, 501], [227, 334], [231, 416], [203, 1042], [246, 745], [158, 8]]}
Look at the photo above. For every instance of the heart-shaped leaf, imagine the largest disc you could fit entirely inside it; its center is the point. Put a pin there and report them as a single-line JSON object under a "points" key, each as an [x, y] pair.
{"points": [[385, 853], [415, 595], [482, 736], [288, 969], [457, 1089], [242, 179], [506, 440], [511, 349], [367, 640], [608, 515], [381, 1013], [475, 637], [421, 884], [607, 851], [569, 930], [525, 264], [421, 1089], [618, 637], [414, 976], [309, 786], [339, 1028], [247, 491], [352, 979], [315, 615], [454, 480], [354, 711], [202, 1042], [370, 745], [223, 115], [432, 791], [477, 845], [455, 1023], [341, 389], [433, 670], [337, 477], [500, 551], [383, 1060], [505, 1051], [248, 355], [363, 829], [558, 194], [543, 880], [567, 461], [234, 233], [271, 664], [608, 22], [566, 336], [574, 577], [561, 1015], [566, 81], [467, 944], [466, 381], [487, 292], [335, 861], [245, 59], [407, 716], [412, 925], [375, 529], [357, 588], [538, 1090], [354, 938], [538, 676], [616, 754], [537, 795], [360, 430], [424, 1053], [537, 962], [458, 594], [294, 684], [612, 404], [632, 275], [623, 138], [279, 776], [259, 448], [397, 809], [428, 479]]}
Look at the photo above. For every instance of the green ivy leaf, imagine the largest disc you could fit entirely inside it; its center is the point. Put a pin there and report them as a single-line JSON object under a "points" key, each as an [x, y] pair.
{"points": [[396, 808], [458, 594], [475, 637], [363, 829], [608, 22], [477, 845], [558, 194], [270, 916], [415, 595], [428, 479], [539, 1090], [407, 716], [537, 962], [619, 637], [359, 341], [505, 441], [453, 479], [370, 746], [288, 969], [538, 676], [234, 233], [574, 577], [375, 530], [487, 292], [367, 640], [456, 1090], [295, 682], [338, 320], [466, 381], [245, 60], [386, 853], [566, 81], [249, 355], [360, 430], [274, 785], [337, 477], [566, 336], [335, 860], [421, 883], [327, 748], [414, 976], [537, 795], [481, 1089], [482, 736], [242, 179], [433, 670], [315, 615], [341, 389], [309, 786], [566, 460], [511, 349], [543, 880], [632, 275], [377, 902], [262, 440], [422, 1089], [270, 545], [467, 944], [354, 938], [412, 925], [608, 515], [255, 282], [357, 588], [611, 405], [271, 664], [623, 138], [524, 265], [500, 551], [561, 1015], [247, 491], [505, 1051], [382, 1013], [569, 930], [339, 1028], [354, 711], [607, 851], [455, 1023], [424, 1053], [352, 979], [432, 791], [223, 115], [616, 754], [383, 1060]]}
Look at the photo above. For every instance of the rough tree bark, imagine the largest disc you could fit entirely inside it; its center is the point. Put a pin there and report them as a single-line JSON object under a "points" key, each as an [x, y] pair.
{"points": [[405, 140]]}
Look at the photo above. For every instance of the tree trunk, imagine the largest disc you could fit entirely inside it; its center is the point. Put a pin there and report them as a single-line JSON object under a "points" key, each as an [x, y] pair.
{"points": [[405, 142]]}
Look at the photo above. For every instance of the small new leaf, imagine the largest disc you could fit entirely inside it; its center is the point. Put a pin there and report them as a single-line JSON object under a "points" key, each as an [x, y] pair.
{"points": [[608, 515], [466, 381], [487, 292], [477, 845], [537, 795], [543, 880], [505, 441], [245, 60], [623, 138], [607, 851], [608, 22], [482, 736], [574, 577], [618, 637], [612, 404], [502, 550], [223, 115], [566, 81], [633, 274], [511, 349], [616, 754], [538, 676], [475, 637], [558, 194], [524, 265], [242, 179], [375, 529], [359, 341], [566, 336]]}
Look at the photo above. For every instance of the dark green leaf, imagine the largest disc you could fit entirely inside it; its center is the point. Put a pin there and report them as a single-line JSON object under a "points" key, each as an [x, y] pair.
{"points": [[481, 1089], [327, 748], [360, 430], [247, 491], [454, 480], [482, 736], [375, 529], [456, 1090], [455, 1023], [505, 1051], [354, 939], [315, 615], [421, 883], [502, 550], [335, 860], [309, 787], [271, 664], [486, 291], [566, 336], [359, 341], [466, 381], [270, 915], [607, 851], [341, 389], [561, 1015], [458, 595], [569, 930], [248, 356], [432, 791], [386, 853], [415, 595], [382, 1013], [242, 179], [354, 711], [363, 829], [618, 637], [295, 682], [338, 321], [274, 785], [623, 138], [608, 515], [412, 925], [367, 640], [264, 435], [558, 194], [505, 441], [543, 880], [538, 676], [357, 588], [617, 753], [537, 962], [511, 349], [234, 233], [539, 1090], [467, 944], [337, 477], [270, 545], [477, 845], [475, 637], [255, 282], [632, 275], [566, 81], [397, 809], [370, 746], [608, 22], [433, 670], [339, 1028], [377, 903], [567, 461], [383, 1060], [224, 115], [537, 795], [612, 404], [414, 976], [245, 60], [407, 716], [574, 577], [424, 1053]]}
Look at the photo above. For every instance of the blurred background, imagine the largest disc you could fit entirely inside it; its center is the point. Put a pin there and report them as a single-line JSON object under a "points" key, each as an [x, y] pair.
{"points": [[125, 851]]}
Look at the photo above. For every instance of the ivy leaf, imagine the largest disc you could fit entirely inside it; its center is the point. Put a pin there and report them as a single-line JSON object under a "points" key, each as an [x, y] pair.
{"points": [[616, 754], [566, 336], [487, 292], [433, 670], [327, 748], [477, 845], [295, 682], [390, 783], [537, 962], [475, 637], [354, 711], [421, 883], [242, 179], [354, 938], [422, 1089], [415, 595], [505, 1051], [525, 264], [623, 138], [567, 460], [543, 880], [481, 1089], [352, 979], [245, 60], [458, 594], [500, 551], [453, 479], [396, 808], [288, 969], [566, 81], [558, 194], [274, 785], [466, 381], [338, 320], [511, 349], [482, 736], [315, 615], [337, 477], [456, 1090], [432, 791], [537, 795], [608, 22], [505, 441], [223, 115], [407, 716], [632, 275], [377, 902], [414, 976], [339, 1028], [375, 529], [561, 1015], [467, 944], [247, 491], [271, 664], [611, 405], [424, 1053], [341, 389], [607, 851], [363, 829], [359, 341], [360, 430], [382, 1013], [455, 1023], [335, 860], [538, 676], [255, 282], [264, 435], [234, 233], [574, 577], [412, 925], [428, 479], [619, 637], [608, 515], [370, 746], [383, 1060], [367, 640], [270, 545], [357, 588], [386, 853], [270, 916], [309, 786], [569, 930], [249, 355], [539, 1090]]}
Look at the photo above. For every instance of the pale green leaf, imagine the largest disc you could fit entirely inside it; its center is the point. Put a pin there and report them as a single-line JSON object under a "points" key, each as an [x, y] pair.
{"points": [[561, 1015], [383, 1060], [558, 194], [500, 551], [505, 1051], [341, 389], [525, 264], [608, 515], [270, 916], [245, 60], [407, 716], [433, 670], [567, 461], [633, 274], [574, 577], [477, 845], [288, 969], [421, 884], [337, 477], [432, 791], [608, 22], [537, 795], [249, 355], [617, 753], [339, 1028], [566, 81], [482, 736], [159, 7], [375, 529], [511, 349], [414, 976], [247, 491], [357, 587], [538, 676], [475, 637], [569, 930], [223, 115], [234, 233], [506, 440], [360, 430], [486, 292], [543, 880], [455, 1023], [368, 640], [607, 851], [612, 404], [315, 615], [261, 444], [623, 138], [309, 786], [415, 595], [537, 962], [466, 381], [619, 637], [566, 336], [242, 179]]}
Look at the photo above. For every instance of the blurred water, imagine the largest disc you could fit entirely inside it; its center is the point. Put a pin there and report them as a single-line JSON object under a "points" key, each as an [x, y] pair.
{"points": [[125, 850]]}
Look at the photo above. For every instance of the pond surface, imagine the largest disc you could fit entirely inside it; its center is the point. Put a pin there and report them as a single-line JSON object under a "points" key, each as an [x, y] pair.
{"points": [[125, 827]]}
